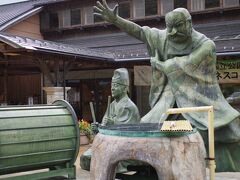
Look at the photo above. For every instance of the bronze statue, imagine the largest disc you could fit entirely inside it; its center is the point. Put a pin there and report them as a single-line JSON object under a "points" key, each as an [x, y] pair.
{"points": [[183, 74], [121, 111]]}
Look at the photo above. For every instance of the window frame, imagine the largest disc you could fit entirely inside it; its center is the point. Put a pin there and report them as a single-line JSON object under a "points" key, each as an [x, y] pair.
{"points": [[85, 15], [187, 4], [157, 10], [217, 7], [97, 22], [52, 26], [81, 17], [130, 8]]}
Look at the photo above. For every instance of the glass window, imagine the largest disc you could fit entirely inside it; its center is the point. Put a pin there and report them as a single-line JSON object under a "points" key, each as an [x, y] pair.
{"points": [[138, 8], [180, 3], [44, 21], [75, 16], [166, 6], [212, 3], [197, 5], [66, 18], [124, 10], [230, 3], [97, 19], [53, 20], [150, 7]]}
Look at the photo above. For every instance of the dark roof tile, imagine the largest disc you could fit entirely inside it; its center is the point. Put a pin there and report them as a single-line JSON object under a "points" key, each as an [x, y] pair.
{"points": [[226, 36], [54, 47]]}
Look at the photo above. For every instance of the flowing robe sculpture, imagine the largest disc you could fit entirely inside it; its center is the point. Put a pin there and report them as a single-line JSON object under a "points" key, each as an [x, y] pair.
{"points": [[187, 78], [184, 73], [190, 80], [123, 112]]}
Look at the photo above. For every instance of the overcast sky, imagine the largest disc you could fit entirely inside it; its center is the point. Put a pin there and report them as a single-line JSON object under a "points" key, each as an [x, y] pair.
{"points": [[9, 1]]}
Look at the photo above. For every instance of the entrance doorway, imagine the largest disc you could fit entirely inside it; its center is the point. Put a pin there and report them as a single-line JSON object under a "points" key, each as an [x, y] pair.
{"points": [[89, 90]]}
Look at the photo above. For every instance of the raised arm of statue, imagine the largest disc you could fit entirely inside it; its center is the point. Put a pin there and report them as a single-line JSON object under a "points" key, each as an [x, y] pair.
{"points": [[111, 15]]}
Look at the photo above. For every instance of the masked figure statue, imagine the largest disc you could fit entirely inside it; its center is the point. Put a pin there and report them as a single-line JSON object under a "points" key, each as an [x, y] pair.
{"points": [[184, 75]]}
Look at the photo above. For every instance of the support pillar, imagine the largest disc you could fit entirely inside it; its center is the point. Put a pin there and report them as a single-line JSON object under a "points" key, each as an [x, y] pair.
{"points": [[55, 93]]}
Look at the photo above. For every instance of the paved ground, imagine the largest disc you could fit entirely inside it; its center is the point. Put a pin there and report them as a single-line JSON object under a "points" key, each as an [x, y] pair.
{"points": [[84, 175]]}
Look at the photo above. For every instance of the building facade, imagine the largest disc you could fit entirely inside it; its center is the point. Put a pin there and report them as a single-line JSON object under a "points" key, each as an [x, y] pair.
{"points": [[62, 44]]}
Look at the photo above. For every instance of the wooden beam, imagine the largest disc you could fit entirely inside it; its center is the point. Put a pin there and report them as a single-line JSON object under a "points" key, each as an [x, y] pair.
{"points": [[57, 73], [63, 81], [68, 65], [46, 71], [5, 84], [9, 49]]}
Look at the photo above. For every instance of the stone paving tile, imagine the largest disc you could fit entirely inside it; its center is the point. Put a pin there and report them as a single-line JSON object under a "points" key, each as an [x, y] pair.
{"points": [[85, 175]]}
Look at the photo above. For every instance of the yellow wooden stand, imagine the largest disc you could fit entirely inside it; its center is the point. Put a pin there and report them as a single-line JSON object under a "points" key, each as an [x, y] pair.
{"points": [[209, 109]]}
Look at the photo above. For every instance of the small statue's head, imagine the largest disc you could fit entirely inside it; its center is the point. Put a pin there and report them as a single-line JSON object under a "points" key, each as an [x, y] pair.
{"points": [[120, 83], [179, 25]]}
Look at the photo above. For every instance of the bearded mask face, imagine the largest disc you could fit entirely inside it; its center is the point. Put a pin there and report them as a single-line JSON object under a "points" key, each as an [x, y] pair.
{"points": [[179, 28]]}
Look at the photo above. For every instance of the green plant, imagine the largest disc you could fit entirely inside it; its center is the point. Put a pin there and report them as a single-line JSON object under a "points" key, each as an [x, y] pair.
{"points": [[86, 129]]}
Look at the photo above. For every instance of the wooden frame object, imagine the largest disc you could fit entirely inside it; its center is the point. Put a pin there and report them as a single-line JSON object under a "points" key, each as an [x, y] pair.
{"points": [[209, 109]]}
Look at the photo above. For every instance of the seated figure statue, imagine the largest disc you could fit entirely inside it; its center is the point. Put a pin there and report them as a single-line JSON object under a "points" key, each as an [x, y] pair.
{"points": [[183, 65], [121, 111]]}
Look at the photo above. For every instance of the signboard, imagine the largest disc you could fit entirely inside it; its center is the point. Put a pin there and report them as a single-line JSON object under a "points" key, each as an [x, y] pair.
{"points": [[142, 75], [228, 71]]}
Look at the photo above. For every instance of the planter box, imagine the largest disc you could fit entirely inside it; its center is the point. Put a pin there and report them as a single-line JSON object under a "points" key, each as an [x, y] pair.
{"points": [[83, 139]]}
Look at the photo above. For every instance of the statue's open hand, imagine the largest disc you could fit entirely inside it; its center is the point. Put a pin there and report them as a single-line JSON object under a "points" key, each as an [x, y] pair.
{"points": [[105, 12]]}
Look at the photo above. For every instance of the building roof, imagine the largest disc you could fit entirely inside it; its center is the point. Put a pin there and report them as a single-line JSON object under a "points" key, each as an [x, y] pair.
{"points": [[54, 47], [13, 13], [226, 36], [117, 46]]}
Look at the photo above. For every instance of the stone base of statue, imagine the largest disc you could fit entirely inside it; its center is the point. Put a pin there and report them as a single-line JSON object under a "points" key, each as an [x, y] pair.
{"points": [[181, 158], [85, 160]]}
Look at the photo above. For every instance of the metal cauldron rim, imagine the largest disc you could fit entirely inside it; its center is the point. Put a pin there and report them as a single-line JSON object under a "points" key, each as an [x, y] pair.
{"points": [[140, 130]]}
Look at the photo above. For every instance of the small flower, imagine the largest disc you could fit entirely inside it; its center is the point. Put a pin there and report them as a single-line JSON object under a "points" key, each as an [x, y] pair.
{"points": [[85, 127]]}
